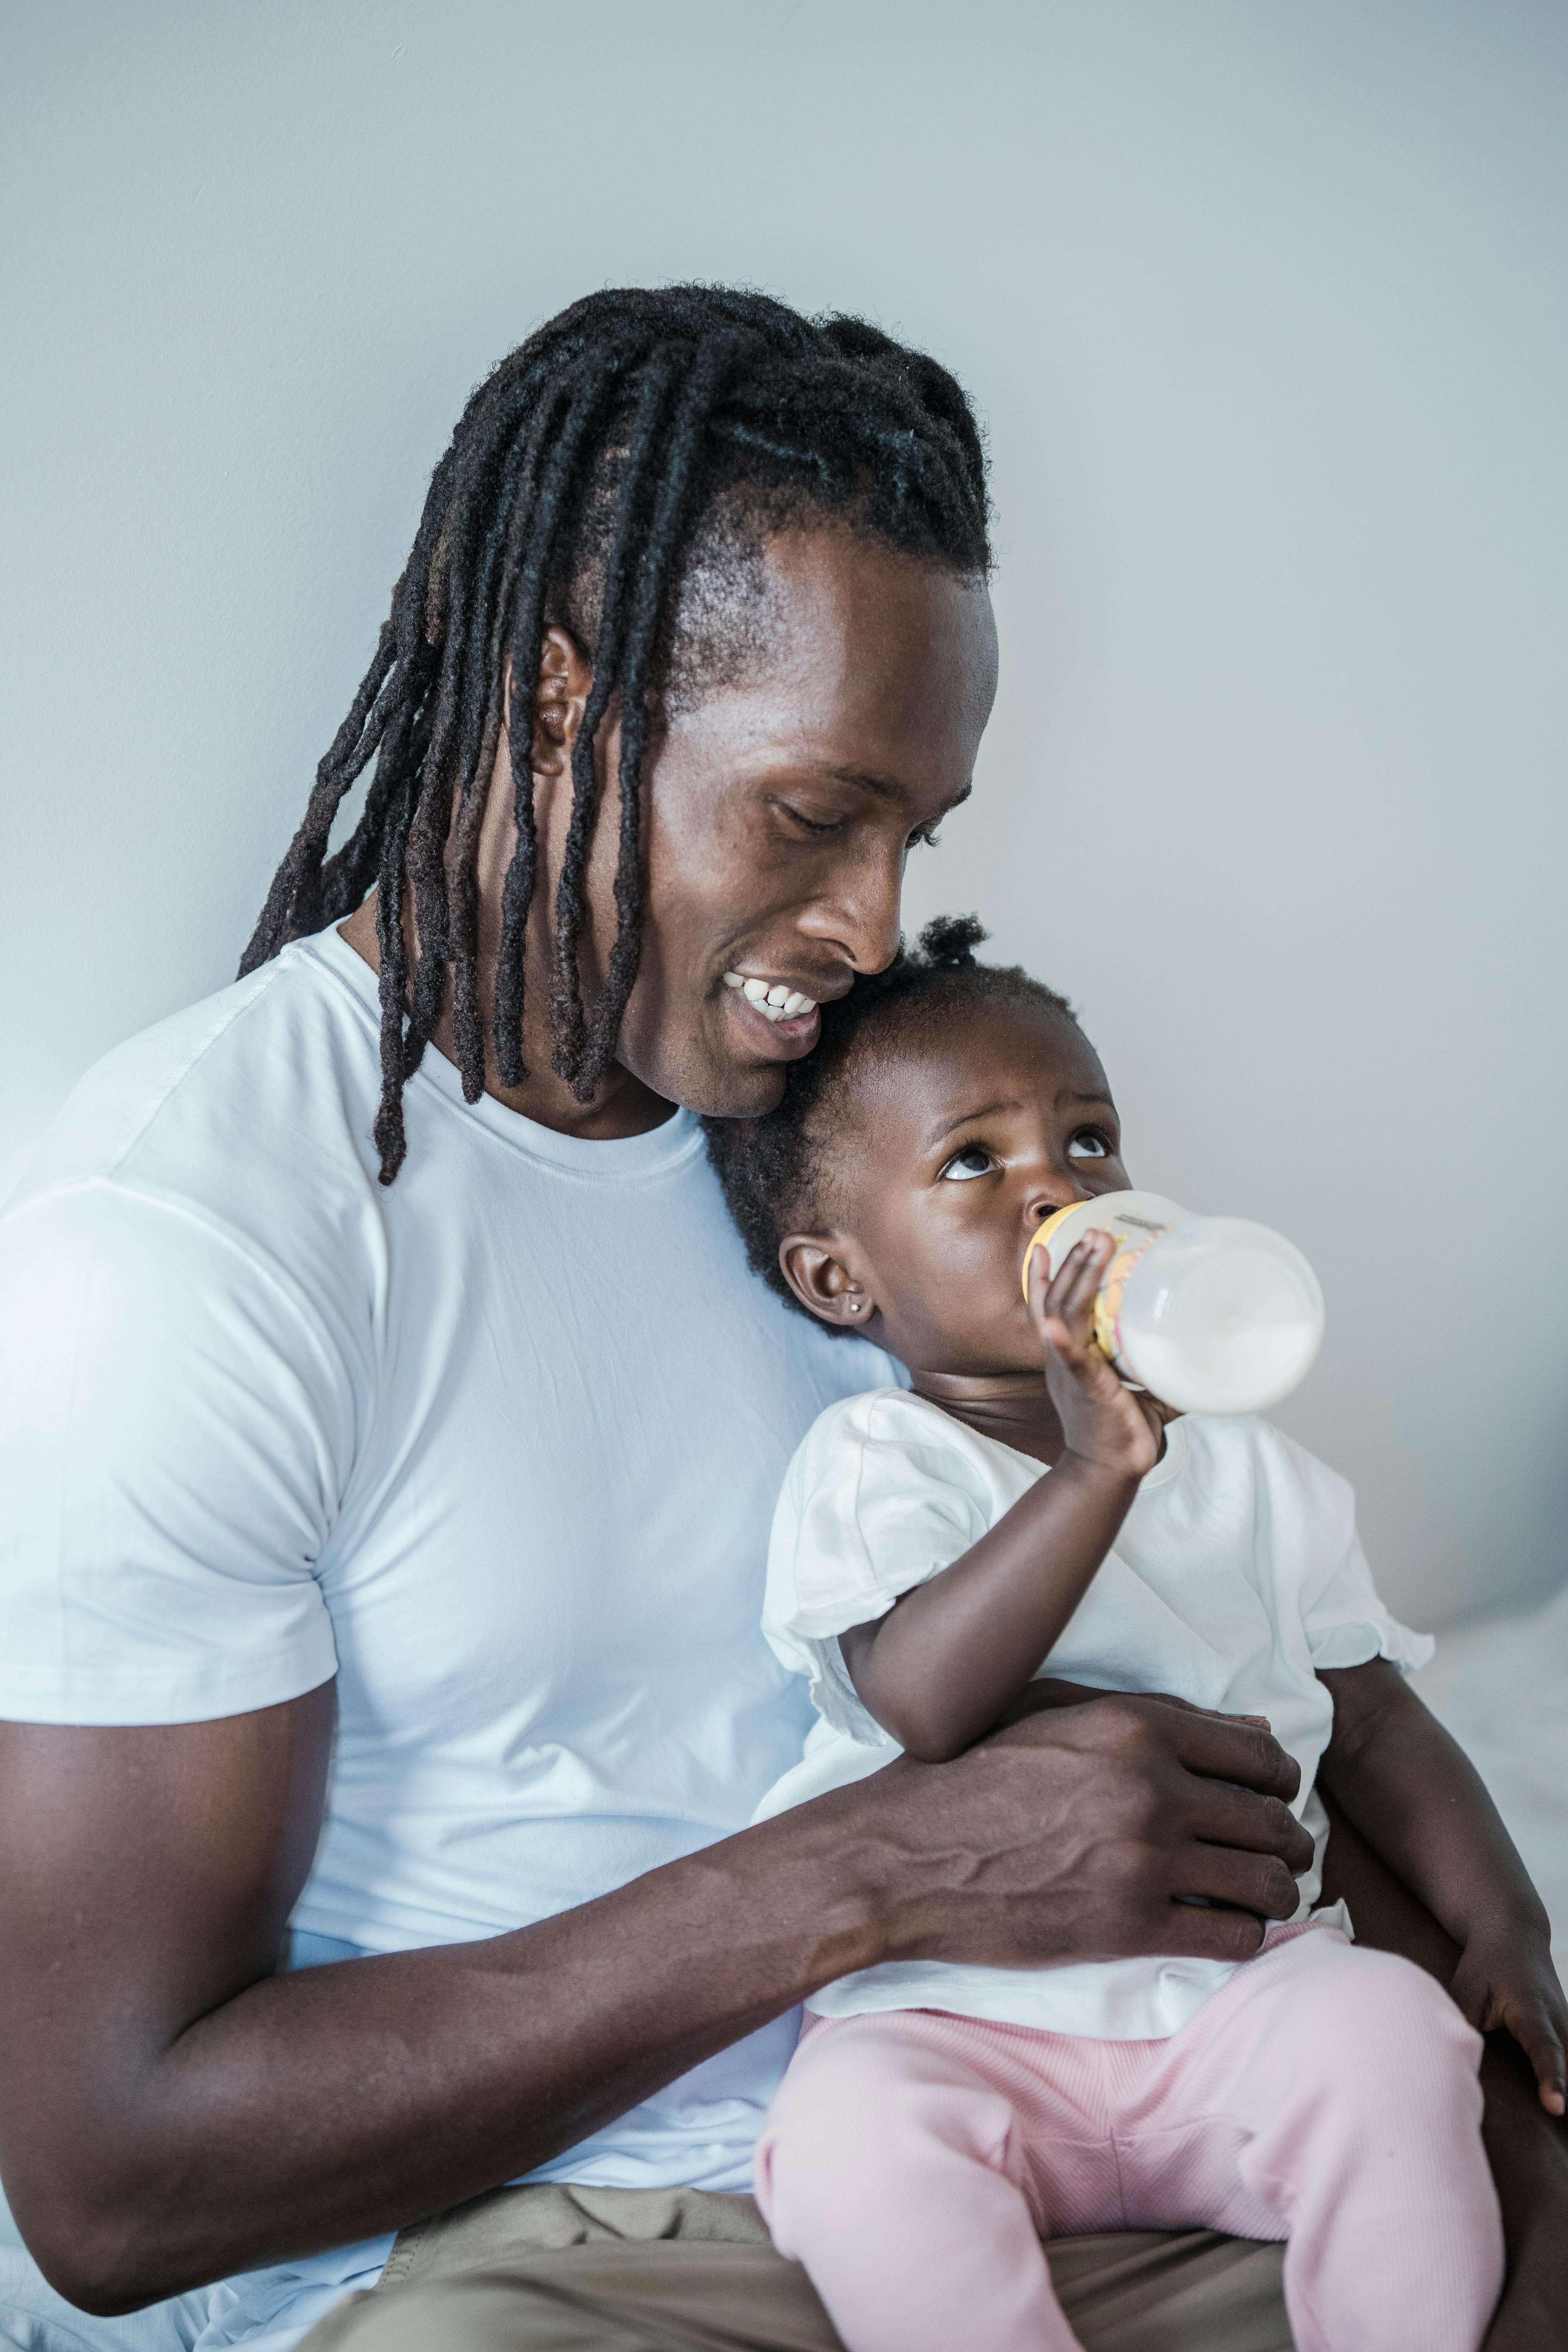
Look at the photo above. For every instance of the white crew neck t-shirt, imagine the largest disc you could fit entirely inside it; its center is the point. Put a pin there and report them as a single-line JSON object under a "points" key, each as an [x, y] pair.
{"points": [[1235, 1576], [496, 1446]]}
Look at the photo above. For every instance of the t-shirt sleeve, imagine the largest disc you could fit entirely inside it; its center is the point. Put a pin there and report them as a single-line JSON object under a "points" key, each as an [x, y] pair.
{"points": [[1346, 1623], [175, 1436], [874, 1504]]}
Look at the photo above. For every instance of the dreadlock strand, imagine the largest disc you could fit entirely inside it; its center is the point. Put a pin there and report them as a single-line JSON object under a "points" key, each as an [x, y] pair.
{"points": [[527, 639], [521, 613], [351, 871], [452, 763], [566, 1006], [334, 778], [589, 395], [518, 651], [517, 887], [484, 715], [671, 510], [388, 1132]]}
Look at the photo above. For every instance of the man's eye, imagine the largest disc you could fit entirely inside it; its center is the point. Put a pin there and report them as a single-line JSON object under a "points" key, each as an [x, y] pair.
{"points": [[925, 836], [973, 1161], [1088, 1144], [819, 825]]}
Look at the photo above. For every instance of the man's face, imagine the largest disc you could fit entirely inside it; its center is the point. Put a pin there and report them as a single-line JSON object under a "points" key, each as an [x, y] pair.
{"points": [[781, 811]]}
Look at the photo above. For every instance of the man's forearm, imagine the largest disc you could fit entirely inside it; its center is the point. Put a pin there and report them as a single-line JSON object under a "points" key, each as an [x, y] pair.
{"points": [[336, 2103], [171, 2112]]}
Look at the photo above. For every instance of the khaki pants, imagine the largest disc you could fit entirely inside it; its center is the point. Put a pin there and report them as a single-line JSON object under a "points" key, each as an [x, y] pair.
{"points": [[553, 2269]]}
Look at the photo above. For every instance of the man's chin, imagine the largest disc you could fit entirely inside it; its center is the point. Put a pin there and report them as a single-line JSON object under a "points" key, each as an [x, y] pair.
{"points": [[740, 1094], [716, 1089], [730, 1064]]}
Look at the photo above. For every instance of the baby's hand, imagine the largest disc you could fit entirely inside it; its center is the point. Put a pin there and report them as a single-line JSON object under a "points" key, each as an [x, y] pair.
{"points": [[1506, 1979], [1102, 1420]]}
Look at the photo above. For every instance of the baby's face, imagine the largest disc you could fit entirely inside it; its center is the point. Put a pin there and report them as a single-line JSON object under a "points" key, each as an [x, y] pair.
{"points": [[951, 1147]]}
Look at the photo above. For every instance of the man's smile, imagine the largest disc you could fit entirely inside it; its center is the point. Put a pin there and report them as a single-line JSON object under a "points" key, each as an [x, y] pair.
{"points": [[776, 1000]]}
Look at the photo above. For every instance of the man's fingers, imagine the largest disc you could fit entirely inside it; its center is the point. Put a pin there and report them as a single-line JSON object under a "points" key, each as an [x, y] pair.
{"points": [[1204, 1932], [1226, 1749], [1237, 1782], [1259, 1883], [1217, 1714], [1249, 1823]]}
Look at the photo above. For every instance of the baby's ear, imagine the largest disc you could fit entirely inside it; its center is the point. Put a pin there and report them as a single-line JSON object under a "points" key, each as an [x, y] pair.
{"points": [[823, 1272]]}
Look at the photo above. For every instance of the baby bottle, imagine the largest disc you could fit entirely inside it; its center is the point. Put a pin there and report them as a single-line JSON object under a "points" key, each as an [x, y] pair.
{"points": [[1209, 1314]]}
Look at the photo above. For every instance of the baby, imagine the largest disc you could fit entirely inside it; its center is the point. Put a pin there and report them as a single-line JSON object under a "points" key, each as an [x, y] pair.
{"points": [[942, 1557]]}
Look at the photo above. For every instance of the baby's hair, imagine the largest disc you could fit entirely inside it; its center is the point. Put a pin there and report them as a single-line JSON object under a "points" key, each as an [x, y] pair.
{"points": [[774, 1169]]}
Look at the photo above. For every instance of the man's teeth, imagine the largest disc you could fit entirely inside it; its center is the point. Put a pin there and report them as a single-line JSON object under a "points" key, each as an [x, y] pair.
{"points": [[771, 997]]}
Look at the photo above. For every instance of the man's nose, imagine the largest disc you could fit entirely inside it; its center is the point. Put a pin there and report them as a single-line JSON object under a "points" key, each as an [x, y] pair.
{"points": [[859, 914]]}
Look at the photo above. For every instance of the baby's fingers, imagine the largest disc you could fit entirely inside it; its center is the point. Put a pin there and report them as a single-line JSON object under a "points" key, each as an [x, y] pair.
{"points": [[1068, 1296], [1540, 2036], [1065, 1344]]}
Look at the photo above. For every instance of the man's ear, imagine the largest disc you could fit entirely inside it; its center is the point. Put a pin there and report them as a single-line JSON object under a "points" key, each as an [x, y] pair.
{"points": [[560, 698], [825, 1273]]}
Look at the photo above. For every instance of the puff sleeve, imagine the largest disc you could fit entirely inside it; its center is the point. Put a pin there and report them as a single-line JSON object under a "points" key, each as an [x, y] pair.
{"points": [[877, 1500]]}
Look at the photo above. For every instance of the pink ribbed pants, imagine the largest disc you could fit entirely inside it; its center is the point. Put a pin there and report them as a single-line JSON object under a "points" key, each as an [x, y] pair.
{"points": [[1328, 2094]]}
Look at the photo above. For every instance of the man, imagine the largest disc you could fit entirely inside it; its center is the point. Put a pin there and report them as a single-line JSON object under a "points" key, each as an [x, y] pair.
{"points": [[391, 1429]]}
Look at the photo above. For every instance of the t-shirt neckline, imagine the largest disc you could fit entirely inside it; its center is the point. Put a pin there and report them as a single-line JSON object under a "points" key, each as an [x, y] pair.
{"points": [[611, 1158]]}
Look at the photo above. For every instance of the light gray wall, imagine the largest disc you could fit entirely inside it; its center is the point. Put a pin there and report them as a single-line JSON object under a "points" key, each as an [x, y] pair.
{"points": [[1265, 305]]}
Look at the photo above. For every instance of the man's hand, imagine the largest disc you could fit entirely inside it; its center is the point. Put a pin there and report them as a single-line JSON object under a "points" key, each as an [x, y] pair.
{"points": [[1048, 1691], [1094, 1828]]}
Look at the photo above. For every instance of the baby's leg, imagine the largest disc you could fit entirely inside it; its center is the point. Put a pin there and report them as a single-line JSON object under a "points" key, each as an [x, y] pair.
{"points": [[888, 2166], [1329, 2096]]}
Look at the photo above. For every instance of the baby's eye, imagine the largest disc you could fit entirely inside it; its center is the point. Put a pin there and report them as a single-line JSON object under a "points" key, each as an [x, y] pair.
{"points": [[973, 1161], [1088, 1144]]}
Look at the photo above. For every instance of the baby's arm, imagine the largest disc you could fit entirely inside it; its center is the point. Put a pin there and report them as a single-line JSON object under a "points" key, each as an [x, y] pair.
{"points": [[1415, 1796], [952, 1657]]}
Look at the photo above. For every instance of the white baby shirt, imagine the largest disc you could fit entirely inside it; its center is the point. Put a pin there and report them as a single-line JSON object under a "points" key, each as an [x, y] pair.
{"points": [[1237, 1573]]}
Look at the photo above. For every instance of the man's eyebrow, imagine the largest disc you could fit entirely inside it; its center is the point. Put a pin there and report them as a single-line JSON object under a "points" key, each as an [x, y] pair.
{"points": [[884, 788], [941, 1133]]}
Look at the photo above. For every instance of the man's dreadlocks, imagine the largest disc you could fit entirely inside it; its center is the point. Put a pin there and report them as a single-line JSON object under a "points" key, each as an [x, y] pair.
{"points": [[617, 475]]}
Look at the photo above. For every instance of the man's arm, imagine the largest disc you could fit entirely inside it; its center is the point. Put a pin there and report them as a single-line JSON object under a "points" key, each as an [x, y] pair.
{"points": [[1527, 2149], [171, 2111]]}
